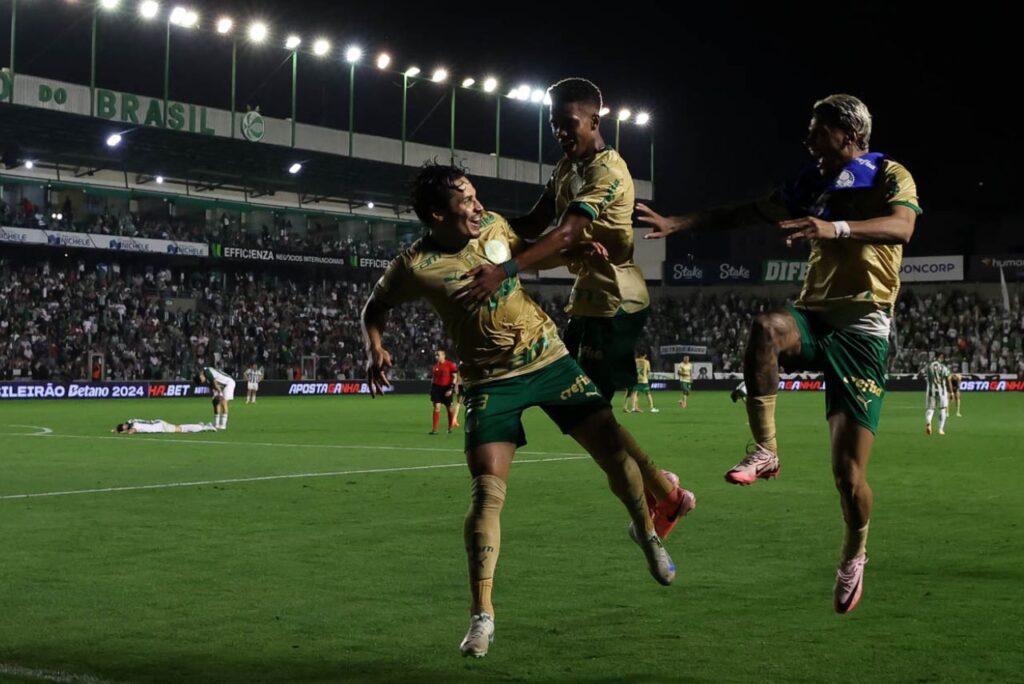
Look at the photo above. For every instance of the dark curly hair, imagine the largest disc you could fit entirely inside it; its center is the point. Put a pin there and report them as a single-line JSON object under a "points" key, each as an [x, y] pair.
{"points": [[576, 90], [432, 188]]}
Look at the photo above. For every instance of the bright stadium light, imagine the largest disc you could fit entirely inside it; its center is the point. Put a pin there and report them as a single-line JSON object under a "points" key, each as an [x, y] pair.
{"points": [[439, 75], [29, 164], [604, 111], [490, 84], [321, 47], [523, 92], [468, 82], [295, 168], [293, 42], [547, 99], [370, 205], [149, 9], [114, 140], [258, 32], [183, 17], [224, 25], [624, 114], [412, 71], [642, 119], [109, 4], [159, 180], [383, 59], [537, 95], [513, 94], [354, 54]]}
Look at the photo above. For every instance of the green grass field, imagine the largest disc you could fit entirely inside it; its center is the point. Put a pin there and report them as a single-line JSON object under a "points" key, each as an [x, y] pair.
{"points": [[320, 540]]}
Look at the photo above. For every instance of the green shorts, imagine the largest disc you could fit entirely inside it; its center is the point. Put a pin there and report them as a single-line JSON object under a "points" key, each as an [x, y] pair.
{"points": [[854, 365], [644, 387], [494, 410], [685, 386], [606, 348]]}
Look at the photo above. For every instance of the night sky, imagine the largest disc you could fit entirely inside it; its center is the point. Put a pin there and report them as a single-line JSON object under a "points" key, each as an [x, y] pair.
{"points": [[729, 87]]}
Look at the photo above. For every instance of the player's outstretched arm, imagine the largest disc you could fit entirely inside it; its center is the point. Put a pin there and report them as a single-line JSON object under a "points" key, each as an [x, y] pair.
{"points": [[894, 229], [378, 359], [720, 218], [488, 278], [533, 225]]}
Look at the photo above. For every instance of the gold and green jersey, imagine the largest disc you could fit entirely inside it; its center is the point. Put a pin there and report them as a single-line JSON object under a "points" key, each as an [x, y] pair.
{"points": [[602, 188], [850, 271], [508, 335], [643, 371], [685, 371], [936, 379]]}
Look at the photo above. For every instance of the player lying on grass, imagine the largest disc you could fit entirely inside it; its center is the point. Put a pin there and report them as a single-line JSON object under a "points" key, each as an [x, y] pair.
{"points": [[134, 425]]}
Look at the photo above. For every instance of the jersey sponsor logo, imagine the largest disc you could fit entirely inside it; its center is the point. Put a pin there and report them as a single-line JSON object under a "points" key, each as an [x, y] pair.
{"points": [[846, 179], [426, 262], [866, 385], [580, 386]]}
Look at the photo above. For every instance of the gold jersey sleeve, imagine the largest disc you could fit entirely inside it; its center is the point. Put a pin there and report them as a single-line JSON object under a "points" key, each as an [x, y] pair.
{"points": [[643, 371], [507, 336], [854, 274], [602, 187]]}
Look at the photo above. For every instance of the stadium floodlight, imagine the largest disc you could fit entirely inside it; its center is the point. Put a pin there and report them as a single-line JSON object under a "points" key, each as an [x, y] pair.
{"points": [[114, 140], [159, 180], [183, 17], [523, 92], [412, 71], [547, 99], [293, 42], [321, 47], [490, 84], [355, 53], [370, 205], [642, 119], [468, 82], [537, 95], [109, 4], [295, 168], [439, 75], [383, 59], [29, 164], [148, 9], [258, 32], [604, 111], [624, 114], [224, 25], [513, 94]]}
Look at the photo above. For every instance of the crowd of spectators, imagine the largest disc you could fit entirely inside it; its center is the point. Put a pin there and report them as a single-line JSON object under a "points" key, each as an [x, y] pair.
{"points": [[70, 320]]}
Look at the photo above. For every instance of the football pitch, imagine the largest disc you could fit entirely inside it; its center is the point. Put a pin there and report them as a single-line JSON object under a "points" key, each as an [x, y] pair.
{"points": [[320, 540]]}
